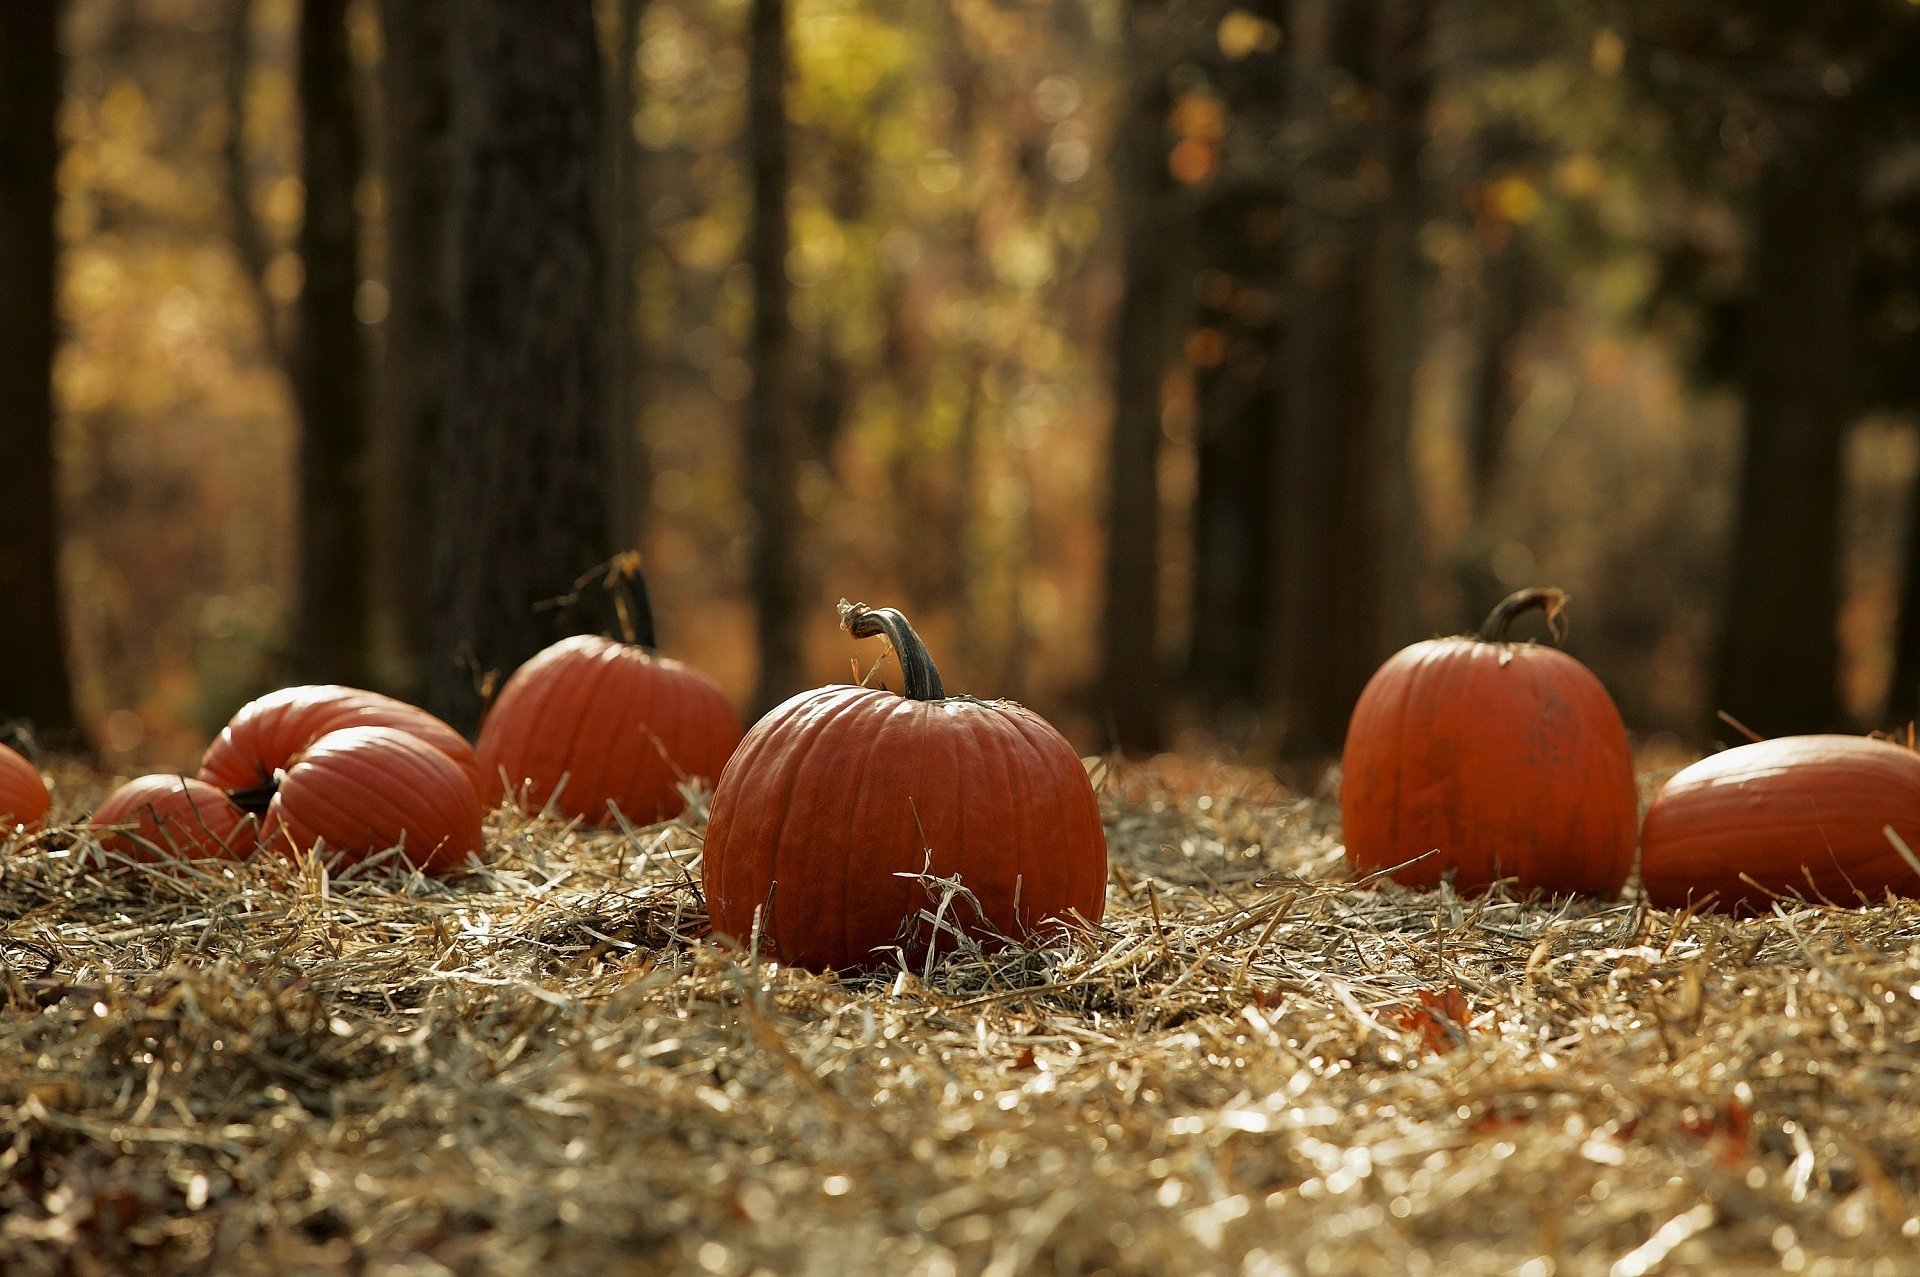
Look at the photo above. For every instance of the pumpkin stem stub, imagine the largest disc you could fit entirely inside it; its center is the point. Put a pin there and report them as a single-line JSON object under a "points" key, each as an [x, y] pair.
{"points": [[255, 799], [1541, 598], [916, 663]]}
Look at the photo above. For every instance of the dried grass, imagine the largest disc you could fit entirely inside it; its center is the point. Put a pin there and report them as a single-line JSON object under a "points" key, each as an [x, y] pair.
{"points": [[1254, 1066]]}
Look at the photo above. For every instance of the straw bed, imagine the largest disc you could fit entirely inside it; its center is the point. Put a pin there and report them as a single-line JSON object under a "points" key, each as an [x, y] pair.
{"points": [[1254, 1066]]}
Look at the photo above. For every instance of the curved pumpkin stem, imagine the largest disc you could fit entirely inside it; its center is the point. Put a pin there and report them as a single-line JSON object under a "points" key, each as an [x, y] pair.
{"points": [[631, 602], [1543, 598], [916, 663]]}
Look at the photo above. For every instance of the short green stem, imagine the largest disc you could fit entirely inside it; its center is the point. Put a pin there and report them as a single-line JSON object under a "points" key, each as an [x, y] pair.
{"points": [[916, 663]]}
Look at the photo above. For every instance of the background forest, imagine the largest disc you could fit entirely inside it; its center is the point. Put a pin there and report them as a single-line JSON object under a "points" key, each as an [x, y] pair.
{"points": [[1169, 361]]}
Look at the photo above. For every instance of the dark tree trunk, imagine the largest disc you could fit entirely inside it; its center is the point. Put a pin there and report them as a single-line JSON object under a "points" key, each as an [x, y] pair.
{"points": [[520, 483], [332, 629], [1506, 304], [769, 433], [1131, 690], [1238, 397], [417, 139], [34, 683], [1903, 686], [627, 463], [1778, 667], [1345, 533]]}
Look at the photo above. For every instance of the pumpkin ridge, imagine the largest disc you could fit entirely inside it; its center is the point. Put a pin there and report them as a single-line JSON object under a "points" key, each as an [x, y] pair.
{"points": [[874, 739], [794, 768]]}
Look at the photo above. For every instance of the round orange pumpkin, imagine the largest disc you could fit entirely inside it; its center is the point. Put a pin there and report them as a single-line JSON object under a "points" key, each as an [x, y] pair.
{"points": [[1794, 816], [269, 733], [1500, 759], [590, 725], [840, 799], [151, 817], [362, 790], [23, 795]]}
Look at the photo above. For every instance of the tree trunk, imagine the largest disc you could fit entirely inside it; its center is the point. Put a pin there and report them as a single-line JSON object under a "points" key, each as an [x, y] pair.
{"points": [[627, 464], [1131, 690], [1778, 667], [769, 433], [1903, 686], [417, 137], [520, 484], [34, 683], [1346, 529], [332, 629], [249, 237]]}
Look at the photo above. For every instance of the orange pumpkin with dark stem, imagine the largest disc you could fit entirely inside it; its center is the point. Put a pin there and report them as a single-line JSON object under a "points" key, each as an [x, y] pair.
{"points": [[841, 802], [590, 725], [151, 817], [1485, 759], [269, 733], [363, 790], [1794, 816], [23, 795]]}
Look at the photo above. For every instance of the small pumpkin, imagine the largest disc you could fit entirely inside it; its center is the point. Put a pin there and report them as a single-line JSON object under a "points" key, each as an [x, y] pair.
{"points": [[1793, 816], [152, 817], [359, 791], [590, 724], [840, 798], [1499, 758], [269, 733], [23, 795]]}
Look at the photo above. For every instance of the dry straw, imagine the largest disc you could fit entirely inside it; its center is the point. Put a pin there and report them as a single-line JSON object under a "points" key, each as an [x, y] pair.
{"points": [[1254, 1066]]}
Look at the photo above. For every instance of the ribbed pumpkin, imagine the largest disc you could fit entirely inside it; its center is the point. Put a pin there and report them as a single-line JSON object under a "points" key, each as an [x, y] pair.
{"points": [[362, 790], [1506, 759], [179, 816], [269, 733], [23, 795], [840, 796], [590, 724], [1798, 815]]}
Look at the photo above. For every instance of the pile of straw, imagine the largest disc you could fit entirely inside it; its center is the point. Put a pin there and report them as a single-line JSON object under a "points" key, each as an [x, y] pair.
{"points": [[1254, 1066]]}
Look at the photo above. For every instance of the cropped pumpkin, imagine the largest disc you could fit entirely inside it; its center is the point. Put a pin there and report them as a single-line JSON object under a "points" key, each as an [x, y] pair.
{"points": [[151, 817], [1794, 816], [360, 791], [267, 734], [1484, 759], [23, 795], [842, 803], [590, 725]]}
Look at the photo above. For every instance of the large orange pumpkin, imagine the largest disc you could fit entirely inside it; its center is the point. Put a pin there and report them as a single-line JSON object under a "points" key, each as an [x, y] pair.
{"points": [[839, 798], [1798, 815], [23, 795], [590, 725], [269, 733], [154, 816], [362, 790], [1501, 759]]}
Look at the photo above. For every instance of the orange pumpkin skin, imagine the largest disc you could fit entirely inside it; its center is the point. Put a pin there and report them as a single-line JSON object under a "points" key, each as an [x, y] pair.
{"points": [[1508, 760], [621, 725], [269, 733], [1800, 815], [23, 795], [154, 816], [837, 792], [362, 790]]}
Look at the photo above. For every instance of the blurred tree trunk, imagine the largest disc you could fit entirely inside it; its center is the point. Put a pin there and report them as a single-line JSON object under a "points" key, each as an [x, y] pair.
{"points": [[769, 432], [1506, 304], [332, 624], [627, 464], [1152, 298], [34, 682], [1235, 352], [1778, 666], [249, 237], [520, 491], [417, 124], [1345, 534], [1903, 686]]}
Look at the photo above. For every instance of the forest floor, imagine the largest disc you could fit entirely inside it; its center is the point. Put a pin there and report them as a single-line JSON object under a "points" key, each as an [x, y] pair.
{"points": [[1254, 1066]]}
